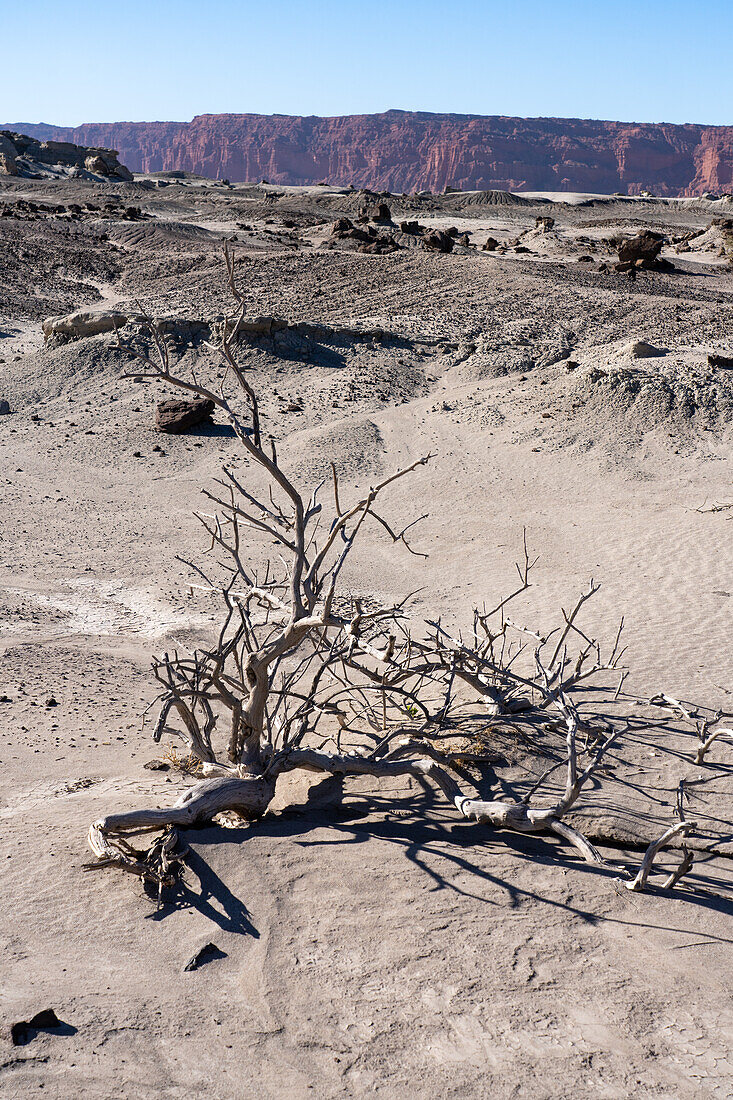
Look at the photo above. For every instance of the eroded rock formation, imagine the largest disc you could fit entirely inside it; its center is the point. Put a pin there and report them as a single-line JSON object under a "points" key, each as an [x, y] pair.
{"points": [[31, 157]]}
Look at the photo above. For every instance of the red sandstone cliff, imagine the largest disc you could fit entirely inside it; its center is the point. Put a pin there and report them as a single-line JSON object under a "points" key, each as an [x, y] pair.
{"points": [[408, 151]]}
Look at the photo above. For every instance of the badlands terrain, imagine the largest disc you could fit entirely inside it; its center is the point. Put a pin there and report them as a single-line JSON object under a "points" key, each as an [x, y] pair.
{"points": [[369, 942]]}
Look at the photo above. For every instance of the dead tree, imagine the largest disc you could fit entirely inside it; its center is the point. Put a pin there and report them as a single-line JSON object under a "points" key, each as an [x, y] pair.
{"points": [[304, 678]]}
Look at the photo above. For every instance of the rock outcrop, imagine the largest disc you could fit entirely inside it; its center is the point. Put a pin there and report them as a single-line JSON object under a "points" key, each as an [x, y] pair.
{"points": [[412, 151], [21, 155], [85, 322]]}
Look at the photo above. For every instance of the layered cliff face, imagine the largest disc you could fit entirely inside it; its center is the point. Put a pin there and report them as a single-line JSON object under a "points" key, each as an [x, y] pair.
{"points": [[409, 151]]}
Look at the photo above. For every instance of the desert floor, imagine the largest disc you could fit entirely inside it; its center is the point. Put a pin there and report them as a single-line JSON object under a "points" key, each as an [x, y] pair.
{"points": [[374, 944]]}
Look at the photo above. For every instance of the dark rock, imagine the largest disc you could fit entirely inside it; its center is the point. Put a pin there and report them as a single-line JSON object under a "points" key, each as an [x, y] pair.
{"points": [[720, 361], [157, 766], [4, 407], [24, 1031], [345, 230], [491, 245], [641, 250], [205, 954], [177, 416], [436, 240], [379, 247], [544, 223], [342, 225], [376, 212]]}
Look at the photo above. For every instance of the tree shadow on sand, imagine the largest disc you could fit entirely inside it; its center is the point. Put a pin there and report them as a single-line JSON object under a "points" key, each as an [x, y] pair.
{"points": [[440, 846]]}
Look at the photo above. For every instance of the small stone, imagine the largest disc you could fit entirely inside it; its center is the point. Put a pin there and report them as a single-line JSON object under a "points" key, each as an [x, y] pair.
{"points": [[205, 954]]}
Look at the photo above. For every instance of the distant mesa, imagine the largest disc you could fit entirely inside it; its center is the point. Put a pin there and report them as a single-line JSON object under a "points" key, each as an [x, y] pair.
{"points": [[32, 158], [415, 151]]}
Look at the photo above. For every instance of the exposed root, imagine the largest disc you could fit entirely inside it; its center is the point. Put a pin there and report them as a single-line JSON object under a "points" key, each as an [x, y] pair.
{"points": [[160, 864], [639, 883], [248, 797], [706, 742]]}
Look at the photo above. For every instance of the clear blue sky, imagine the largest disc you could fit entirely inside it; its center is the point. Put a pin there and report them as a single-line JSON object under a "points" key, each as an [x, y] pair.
{"points": [[73, 61]]}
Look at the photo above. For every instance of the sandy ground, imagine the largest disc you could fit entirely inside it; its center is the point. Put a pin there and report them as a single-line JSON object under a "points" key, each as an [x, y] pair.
{"points": [[372, 944]]}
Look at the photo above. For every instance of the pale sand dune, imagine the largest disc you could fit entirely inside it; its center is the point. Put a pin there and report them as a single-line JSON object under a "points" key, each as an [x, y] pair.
{"points": [[375, 944]]}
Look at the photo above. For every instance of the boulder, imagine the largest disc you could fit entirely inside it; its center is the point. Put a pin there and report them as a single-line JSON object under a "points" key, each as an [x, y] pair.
{"points": [[104, 162], [260, 326], [341, 225], [4, 407], [379, 246], [491, 245], [376, 212], [714, 360], [85, 322], [177, 416], [642, 250], [345, 230], [436, 240], [544, 224], [413, 228]]}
